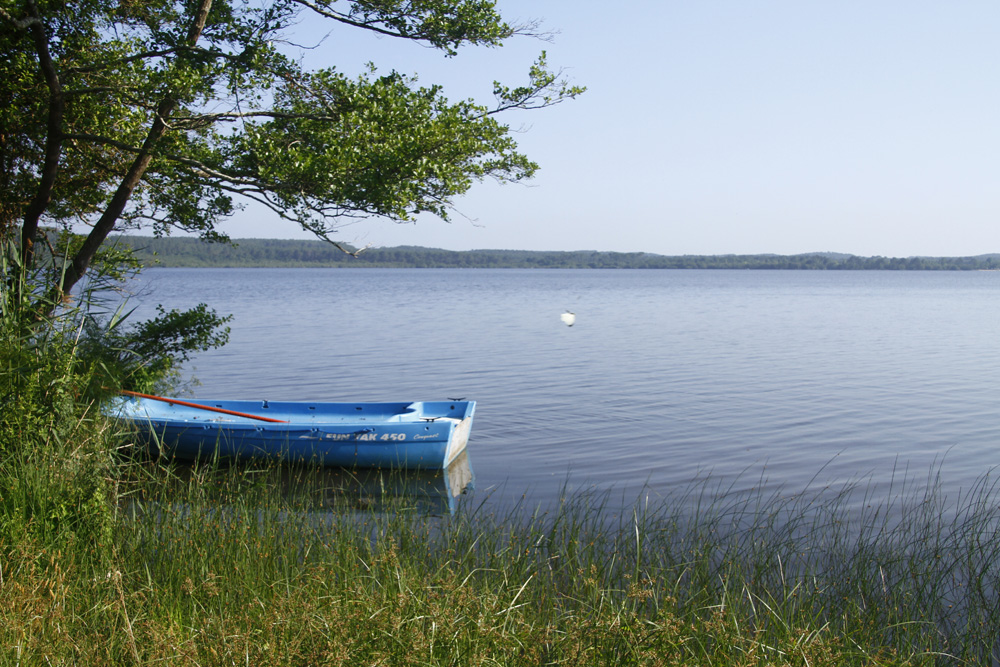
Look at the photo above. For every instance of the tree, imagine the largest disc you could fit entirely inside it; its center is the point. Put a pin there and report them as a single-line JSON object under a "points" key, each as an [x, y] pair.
{"points": [[118, 114]]}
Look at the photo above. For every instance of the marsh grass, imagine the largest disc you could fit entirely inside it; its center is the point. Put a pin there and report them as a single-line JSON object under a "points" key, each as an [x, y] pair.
{"points": [[223, 565]]}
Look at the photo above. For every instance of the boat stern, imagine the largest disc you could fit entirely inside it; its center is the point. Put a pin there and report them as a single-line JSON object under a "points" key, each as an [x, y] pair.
{"points": [[460, 414]]}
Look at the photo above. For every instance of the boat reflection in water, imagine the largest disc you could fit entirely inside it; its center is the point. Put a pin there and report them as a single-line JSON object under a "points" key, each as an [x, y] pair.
{"points": [[433, 492], [324, 490]]}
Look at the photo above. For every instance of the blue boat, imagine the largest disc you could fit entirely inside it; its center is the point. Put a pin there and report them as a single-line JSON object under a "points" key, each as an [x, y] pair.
{"points": [[415, 436]]}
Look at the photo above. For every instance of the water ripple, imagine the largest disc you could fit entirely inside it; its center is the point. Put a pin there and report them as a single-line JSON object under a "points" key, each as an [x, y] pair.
{"points": [[776, 378]]}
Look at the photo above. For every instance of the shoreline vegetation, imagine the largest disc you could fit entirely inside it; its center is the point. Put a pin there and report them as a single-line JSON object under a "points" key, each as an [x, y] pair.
{"points": [[175, 252], [221, 565]]}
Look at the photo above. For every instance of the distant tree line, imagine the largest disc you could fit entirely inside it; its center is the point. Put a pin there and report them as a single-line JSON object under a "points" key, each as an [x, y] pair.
{"points": [[192, 252]]}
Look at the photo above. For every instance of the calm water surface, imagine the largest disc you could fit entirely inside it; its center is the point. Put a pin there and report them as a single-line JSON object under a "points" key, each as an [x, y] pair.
{"points": [[783, 379]]}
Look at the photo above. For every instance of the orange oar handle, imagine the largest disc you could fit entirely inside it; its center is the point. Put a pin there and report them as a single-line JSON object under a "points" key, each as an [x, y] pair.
{"points": [[186, 404]]}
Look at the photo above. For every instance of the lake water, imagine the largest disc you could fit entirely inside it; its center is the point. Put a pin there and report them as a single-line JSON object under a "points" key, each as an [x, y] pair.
{"points": [[782, 379]]}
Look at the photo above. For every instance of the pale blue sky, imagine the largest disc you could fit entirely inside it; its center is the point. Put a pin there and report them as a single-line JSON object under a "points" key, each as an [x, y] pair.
{"points": [[727, 126]]}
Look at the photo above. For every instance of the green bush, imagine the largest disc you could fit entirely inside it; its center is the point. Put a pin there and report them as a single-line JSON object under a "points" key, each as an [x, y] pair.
{"points": [[60, 361]]}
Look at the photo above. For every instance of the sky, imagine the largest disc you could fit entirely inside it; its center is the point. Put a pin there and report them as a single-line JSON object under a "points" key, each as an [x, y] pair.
{"points": [[869, 127]]}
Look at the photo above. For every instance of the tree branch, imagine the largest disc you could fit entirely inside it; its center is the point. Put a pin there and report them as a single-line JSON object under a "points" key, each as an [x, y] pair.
{"points": [[440, 34], [124, 61], [25, 23], [346, 19]]}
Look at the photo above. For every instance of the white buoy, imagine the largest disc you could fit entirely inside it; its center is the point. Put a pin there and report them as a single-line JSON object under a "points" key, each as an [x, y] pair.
{"points": [[568, 318]]}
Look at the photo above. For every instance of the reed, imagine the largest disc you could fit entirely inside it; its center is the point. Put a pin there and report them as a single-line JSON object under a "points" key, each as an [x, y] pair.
{"points": [[224, 565]]}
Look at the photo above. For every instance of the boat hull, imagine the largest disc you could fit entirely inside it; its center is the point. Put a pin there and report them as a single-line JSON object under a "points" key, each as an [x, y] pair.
{"points": [[419, 435]]}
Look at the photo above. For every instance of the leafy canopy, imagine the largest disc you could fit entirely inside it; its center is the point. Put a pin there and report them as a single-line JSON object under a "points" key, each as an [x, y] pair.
{"points": [[166, 114]]}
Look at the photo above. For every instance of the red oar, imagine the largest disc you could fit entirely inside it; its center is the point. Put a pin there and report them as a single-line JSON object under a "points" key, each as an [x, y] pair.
{"points": [[174, 401]]}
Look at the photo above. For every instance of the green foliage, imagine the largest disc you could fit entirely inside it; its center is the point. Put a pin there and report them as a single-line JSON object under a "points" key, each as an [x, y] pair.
{"points": [[54, 456], [59, 363], [88, 343], [173, 115], [40, 382], [147, 356], [345, 163]]}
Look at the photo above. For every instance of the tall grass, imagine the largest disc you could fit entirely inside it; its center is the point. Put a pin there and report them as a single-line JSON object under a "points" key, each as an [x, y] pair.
{"points": [[56, 468], [219, 566]]}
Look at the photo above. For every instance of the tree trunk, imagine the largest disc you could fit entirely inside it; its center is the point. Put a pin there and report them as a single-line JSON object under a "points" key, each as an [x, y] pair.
{"points": [[53, 140], [116, 206]]}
